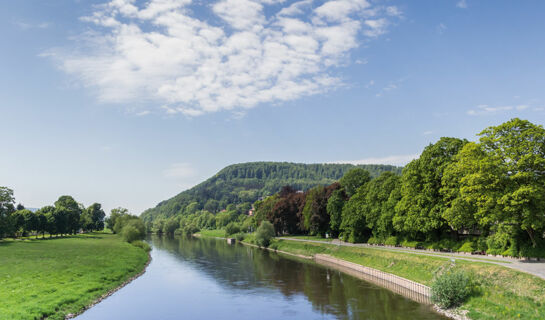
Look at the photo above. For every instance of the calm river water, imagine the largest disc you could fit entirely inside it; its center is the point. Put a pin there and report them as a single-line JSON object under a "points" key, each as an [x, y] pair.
{"points": [[209, 279]]}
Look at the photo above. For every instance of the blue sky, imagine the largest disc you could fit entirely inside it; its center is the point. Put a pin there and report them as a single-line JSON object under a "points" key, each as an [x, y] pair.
{"points": [[128, 103]]}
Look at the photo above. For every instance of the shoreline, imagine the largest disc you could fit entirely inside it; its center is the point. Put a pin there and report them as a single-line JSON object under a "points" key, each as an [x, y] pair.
{"points": [[110, 292], [449, 313]]}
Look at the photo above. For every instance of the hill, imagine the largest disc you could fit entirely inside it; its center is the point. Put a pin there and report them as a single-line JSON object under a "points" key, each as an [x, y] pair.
{"points": [[247, 182]]}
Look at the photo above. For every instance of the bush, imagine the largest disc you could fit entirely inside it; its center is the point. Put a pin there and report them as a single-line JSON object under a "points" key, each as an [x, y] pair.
{"points": [[450, 289], [231, 228], [142, 245], [468, 246], [130, 234], [410, 244], [264, 234], [239, 236], [391, 241], [374, 240]]}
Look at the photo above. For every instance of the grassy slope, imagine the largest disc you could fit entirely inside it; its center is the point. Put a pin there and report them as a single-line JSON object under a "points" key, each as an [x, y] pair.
{"points": [[61, 276], [500, 293]]}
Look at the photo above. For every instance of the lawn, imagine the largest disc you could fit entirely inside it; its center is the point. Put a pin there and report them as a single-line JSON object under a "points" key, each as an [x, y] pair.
{"points": [[55, 277], [499, 292]]}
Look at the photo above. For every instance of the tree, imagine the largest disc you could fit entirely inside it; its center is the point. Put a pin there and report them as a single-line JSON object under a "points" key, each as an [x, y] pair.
{"points": [[264, 234], [7, 207], [70, 210], [353, 225], [421, 207], [316, 217], [504, 178], [114, 215], [334, 208], [286, 212], [354, 179], [171, 225], [30, 221], [380, 203], [41, 222], [97, 216]]}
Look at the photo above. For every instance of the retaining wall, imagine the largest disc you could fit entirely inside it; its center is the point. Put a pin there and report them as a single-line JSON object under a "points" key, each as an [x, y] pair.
{"points": [[410, 289]]}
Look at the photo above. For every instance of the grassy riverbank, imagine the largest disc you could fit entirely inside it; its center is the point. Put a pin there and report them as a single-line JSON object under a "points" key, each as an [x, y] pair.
{"points": [[499, 292], [55, 277]]}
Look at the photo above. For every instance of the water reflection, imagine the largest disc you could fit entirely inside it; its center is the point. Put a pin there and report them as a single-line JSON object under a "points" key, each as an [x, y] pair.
{"points": [[207, 278], [246, 269]]}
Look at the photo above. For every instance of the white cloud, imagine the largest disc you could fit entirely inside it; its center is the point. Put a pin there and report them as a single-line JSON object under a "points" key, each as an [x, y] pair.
{"points": [[143, 113], [179, 171], [485, 109], [462, 4], [396, 160], [161, 53], [26, 26], [427, 133]]}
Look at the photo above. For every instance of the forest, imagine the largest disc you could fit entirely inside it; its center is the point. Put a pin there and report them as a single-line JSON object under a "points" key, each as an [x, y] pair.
{"points": [[247, 182], [482, 197]]}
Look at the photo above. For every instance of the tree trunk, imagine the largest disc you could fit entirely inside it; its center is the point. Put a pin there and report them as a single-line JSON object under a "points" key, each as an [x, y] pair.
{"points": [[531, 234]]}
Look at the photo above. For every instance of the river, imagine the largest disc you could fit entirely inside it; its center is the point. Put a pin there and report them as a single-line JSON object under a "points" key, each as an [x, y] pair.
{"points": [[191, 278]]}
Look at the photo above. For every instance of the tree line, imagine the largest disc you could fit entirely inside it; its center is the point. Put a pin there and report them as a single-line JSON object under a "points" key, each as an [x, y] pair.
{"points": [[247, 182], [484, 196], [66, 216]]}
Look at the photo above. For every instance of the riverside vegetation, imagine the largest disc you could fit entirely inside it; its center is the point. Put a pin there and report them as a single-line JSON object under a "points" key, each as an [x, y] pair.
{"points": [[483, 197], [51, 277]]}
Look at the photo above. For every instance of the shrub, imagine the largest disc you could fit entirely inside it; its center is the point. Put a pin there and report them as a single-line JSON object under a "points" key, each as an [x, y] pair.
{"points": [[130, 234], [231, 228], [374, 240], [410, 244], [450, 288], [391, 241], [468, 246], [142, 245], [264, 234], [239, 236]]}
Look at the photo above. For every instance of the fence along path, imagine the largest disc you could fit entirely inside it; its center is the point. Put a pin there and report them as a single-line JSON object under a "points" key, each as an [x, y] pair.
{"points": [[410, 289]]}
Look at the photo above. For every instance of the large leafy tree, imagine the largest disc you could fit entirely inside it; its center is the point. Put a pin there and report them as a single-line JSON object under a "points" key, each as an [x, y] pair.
{"points": [[286, 215], [335, 205], [353, 225], [380, 202], [354, 179], [7, 207], [68, 213], [97, 216], [421, 206], [504, 178]]}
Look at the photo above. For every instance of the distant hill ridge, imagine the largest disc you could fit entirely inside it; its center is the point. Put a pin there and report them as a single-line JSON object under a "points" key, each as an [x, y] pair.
{"points": [[247, 182]]}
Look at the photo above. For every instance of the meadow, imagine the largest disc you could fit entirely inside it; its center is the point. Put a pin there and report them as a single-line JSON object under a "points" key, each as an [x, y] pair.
{"points": [[52, 278]]}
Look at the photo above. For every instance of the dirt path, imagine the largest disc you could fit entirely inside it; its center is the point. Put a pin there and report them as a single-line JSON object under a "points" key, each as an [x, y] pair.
{"points": [[536, 268]]}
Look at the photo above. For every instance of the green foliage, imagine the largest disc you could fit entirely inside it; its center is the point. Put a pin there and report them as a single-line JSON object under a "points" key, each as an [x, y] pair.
{"points": [[247, 182], [391, 241], [354, 179], [142, 245], [264, 234], [232, 228], [450, 288], [133, 230], [334, 208]]}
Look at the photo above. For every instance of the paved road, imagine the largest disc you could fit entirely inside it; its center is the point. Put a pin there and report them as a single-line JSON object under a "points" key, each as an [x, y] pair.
{"points": [[536, 268]]}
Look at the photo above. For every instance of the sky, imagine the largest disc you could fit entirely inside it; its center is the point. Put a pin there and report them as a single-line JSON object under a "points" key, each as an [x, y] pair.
{"points": [[129, 102]]}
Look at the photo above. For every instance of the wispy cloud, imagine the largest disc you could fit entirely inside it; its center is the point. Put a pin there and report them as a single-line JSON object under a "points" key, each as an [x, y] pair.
{"points": [[142, 113], [427, 133], [461, 4], [396, 160], [392, 85], [180, 171], [238, 58], [27, 25], [485, 109]]}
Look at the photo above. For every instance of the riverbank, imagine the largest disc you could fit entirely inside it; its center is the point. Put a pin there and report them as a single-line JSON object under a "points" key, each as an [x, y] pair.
{"points": [[54, 278], [498, 292]]}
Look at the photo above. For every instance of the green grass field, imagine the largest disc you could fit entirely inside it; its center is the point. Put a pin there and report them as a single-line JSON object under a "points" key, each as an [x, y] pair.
{"points": [[55, 277], [499, 292], [220, 233]]}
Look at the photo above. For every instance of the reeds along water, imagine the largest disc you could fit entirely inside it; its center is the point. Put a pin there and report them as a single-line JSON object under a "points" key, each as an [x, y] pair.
{"points": [[407, 288]]}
